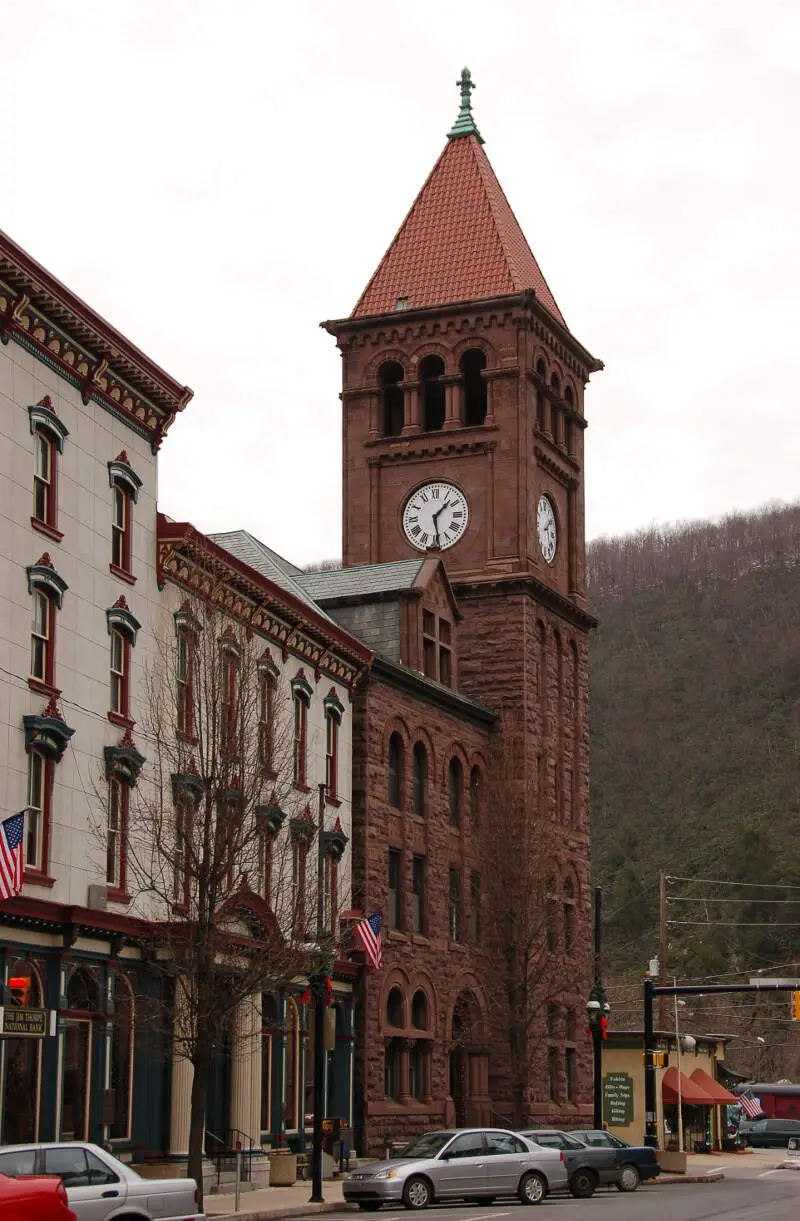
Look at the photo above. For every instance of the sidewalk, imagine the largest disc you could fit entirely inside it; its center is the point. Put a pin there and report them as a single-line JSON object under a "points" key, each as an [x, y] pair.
{"points": [[276, 1202]]}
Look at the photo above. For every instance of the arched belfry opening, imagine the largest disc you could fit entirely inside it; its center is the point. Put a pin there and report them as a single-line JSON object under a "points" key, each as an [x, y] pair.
{"points": [[431, 370], [472, 364], [390, 379]]}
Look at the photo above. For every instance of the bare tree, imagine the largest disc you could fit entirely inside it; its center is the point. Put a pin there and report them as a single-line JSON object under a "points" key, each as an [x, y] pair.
{"points": [[217, 842], [529, 930]]}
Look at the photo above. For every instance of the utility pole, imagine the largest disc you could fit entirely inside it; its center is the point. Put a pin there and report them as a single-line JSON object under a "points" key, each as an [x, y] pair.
{"points": [[598, 1009], [319, 989], [662, 945]]}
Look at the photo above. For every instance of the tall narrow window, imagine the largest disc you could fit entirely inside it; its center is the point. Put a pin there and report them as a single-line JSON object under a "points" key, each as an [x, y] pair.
{"points": [[445, 653], [42, 637], [266, 718], [182, 861], [456, 785], [300, 737], [35, 821], [44, 479], [429, 645], [115, 835], [331, 753], [394, 880], [420, 779], [395, 772], [472, 364], [569, 1074], [552, 1074], [390, 378], [120, 530], [475, 797], [418, 894], [184, 667], [119, 673], [569, 916], [454, 921], [292, 1068], [431, 370]]}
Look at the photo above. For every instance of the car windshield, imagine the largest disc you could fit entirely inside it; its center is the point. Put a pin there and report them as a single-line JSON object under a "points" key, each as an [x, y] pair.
{"points": [[427, 1145]]}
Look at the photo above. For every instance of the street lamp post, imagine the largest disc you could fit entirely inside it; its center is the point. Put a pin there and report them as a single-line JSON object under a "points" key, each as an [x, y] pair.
{"points": [[598, 1009]]}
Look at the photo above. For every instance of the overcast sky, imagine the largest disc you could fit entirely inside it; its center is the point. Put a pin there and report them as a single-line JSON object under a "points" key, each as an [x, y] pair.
{"points": [[216, 177]]}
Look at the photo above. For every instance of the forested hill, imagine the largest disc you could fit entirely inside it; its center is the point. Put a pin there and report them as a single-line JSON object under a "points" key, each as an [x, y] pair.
{"points": [[695, 740]]}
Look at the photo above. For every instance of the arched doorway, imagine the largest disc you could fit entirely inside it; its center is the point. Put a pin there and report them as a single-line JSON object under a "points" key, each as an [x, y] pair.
{"points": [[22, 1067], [469, 1063]]}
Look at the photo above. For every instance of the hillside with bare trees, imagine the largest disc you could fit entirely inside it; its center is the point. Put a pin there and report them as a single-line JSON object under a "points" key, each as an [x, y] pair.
{"points": [[695, 736]]}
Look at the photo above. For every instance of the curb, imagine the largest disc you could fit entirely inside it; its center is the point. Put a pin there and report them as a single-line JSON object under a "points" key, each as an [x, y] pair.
{"points": [[269, 1214], [713, 1176]]}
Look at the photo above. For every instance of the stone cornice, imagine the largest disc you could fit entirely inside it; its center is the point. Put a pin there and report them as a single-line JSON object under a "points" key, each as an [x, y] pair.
{"points": [[467, 440], [523, 582], [43, 316], [556, 466]]}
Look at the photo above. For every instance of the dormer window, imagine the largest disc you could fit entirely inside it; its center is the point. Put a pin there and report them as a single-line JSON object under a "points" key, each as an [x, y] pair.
{"points": [[437, 648]]}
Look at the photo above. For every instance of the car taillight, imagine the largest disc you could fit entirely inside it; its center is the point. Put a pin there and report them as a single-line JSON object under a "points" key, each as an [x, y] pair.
{"points": [[197, 1195], [561, 1155], [61, 1193]]}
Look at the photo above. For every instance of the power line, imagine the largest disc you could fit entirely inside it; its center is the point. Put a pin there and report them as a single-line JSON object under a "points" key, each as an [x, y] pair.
{"points": [[720, 899], [739, 924], [721, 882]]}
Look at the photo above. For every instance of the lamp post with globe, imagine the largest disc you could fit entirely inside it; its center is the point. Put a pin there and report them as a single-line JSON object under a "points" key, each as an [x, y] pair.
{"points": [[597, 1011]]}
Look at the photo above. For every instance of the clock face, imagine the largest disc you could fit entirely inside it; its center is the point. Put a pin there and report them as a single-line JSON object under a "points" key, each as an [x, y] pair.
{"points": [[546, 529], [436, 515]]}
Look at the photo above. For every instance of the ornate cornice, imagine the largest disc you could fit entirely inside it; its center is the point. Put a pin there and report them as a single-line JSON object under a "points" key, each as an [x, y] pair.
{"points": [[334, 841], [43, 575], [569, 478], [120, 616], [48, 733], [415, 447], [333, 705], [202, 567], [123, 762], [43, 316], [270, 817]]}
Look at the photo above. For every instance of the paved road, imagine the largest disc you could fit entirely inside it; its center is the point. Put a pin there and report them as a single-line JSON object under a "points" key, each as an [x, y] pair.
{"points": [[746, 1194]]}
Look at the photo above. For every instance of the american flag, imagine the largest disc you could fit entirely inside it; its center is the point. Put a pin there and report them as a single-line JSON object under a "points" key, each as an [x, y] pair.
{"points": [[11, 832], [750, 1105], [368, 932]]}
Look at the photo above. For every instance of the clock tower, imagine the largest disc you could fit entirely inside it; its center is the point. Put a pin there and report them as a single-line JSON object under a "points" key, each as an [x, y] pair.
{"points": [[463, 436]]}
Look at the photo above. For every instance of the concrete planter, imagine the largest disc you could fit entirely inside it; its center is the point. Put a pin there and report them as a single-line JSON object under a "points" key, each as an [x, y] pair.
{"points": [[672, 1162], [282, 1168]]}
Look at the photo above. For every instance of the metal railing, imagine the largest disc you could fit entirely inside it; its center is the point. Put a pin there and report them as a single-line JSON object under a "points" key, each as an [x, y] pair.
{"points": [[221, 1151]]}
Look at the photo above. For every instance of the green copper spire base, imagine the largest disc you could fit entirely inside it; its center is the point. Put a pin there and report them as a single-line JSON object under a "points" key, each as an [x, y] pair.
{"points": [[465, 124]]}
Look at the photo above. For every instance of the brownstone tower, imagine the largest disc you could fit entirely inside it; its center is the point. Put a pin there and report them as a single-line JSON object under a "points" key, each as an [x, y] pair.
{"points": [[463, 422]]}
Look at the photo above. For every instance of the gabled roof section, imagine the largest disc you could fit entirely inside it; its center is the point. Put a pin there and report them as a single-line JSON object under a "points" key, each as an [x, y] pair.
{"points": [[250, 550], [364, 581], [460, 241]]}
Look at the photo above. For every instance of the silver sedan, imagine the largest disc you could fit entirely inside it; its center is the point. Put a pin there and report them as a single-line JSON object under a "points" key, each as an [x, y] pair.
{"points": [[467, 1163], [100, 1188]]}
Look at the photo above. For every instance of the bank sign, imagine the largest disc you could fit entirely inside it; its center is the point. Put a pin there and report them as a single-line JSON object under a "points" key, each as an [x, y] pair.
{"points": [[618, 1099], [19, 1022]]}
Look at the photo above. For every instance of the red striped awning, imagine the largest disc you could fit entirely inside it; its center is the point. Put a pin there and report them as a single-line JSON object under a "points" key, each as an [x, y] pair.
{"points": [[691, 1092]]}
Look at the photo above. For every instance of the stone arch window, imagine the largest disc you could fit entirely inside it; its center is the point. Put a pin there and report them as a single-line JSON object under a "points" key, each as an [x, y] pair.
{"points": [[455, 777], [432, 389], [419, 1010], [475, 389], [391, 1069], [395, 1008], [556, 414], [20, 1103], [542, 415], [569, 422], [475, 783], [122, 1057], [291, 1084], [420, 779], [390, 379], [395, 772], [569, 915]]}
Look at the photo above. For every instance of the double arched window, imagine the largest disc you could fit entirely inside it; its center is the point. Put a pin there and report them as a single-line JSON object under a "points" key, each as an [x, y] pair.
{"points": [[390, 380], [455, 776], [469, 405], [395, 772], [474, 386], [420, 779]]}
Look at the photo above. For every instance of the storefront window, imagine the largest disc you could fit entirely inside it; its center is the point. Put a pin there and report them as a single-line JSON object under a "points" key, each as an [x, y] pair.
{"points": [[22, 1064], [82, 998], [122, 1058]]}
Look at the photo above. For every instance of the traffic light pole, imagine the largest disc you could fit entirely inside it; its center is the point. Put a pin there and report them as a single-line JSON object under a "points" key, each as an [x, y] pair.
{"points": [[652, 990]]}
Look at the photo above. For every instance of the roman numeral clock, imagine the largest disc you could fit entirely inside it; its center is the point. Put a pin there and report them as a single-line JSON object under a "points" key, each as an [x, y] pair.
{"points": [[435, 515]]}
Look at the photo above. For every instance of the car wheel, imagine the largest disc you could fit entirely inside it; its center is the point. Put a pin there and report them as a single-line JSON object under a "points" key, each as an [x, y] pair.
{"points": [[628, 1178], [583, 1184], [417, 1193], [532, 1188]]}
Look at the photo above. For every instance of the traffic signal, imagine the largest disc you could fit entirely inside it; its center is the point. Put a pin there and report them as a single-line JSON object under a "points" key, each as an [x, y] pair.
{"points": [[20, 987], [796, 1006]]}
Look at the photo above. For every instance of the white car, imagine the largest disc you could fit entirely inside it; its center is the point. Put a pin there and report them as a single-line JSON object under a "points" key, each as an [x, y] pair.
{"points": [[101, 1188]]}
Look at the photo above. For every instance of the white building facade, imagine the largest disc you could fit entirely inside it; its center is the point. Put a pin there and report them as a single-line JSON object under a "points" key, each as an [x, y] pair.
{"points": [[90, 577]]}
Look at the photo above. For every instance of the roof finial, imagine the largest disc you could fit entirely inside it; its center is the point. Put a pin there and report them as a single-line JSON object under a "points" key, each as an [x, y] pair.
{"points": [[465, 124]]}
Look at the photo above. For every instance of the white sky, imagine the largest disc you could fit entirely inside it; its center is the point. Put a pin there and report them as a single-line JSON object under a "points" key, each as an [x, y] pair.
{"points": [[216, 177]]}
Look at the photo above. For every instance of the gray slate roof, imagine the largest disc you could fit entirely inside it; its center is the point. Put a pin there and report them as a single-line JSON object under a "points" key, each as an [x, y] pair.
{"points": [[252, 551], [363, 581]]}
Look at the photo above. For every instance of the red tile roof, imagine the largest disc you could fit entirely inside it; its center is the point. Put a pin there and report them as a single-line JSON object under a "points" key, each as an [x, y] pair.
{"points": [[459, 242]]}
